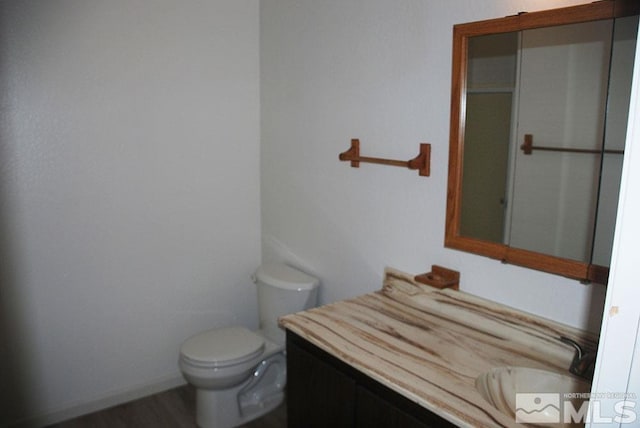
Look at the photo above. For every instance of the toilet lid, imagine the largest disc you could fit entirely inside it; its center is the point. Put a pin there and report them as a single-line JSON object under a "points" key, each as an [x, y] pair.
{"points": [[223, 346]]}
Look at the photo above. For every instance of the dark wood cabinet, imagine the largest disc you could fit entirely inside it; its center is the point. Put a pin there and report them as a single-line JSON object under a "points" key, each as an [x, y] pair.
{"points": [[323, 391], [375, 412], [318, 395]]}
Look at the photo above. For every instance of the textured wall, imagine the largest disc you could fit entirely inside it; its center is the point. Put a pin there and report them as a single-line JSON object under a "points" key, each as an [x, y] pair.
{"points": [[129, 191]]}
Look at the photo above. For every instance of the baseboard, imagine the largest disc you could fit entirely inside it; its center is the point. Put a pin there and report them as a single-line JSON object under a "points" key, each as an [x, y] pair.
{"points": [[110, 400]]}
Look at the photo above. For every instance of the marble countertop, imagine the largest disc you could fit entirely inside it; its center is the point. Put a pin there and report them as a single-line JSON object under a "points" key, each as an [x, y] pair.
{"points": [[429, 345]]}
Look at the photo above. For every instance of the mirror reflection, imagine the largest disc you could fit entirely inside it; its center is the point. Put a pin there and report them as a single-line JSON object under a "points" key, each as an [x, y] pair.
{"points": [[544, 132]]}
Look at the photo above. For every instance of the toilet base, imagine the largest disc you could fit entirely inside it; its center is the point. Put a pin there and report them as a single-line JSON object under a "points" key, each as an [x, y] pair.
{"points": [[220, 409], [262, 392]]}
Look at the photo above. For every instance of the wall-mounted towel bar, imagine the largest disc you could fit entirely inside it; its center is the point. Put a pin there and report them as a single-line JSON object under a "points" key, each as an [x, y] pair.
{"points": [[528, 147], [422, 162]]}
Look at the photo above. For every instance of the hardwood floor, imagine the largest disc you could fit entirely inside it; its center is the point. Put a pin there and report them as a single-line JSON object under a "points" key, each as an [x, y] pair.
{"points": [[173, 408]]}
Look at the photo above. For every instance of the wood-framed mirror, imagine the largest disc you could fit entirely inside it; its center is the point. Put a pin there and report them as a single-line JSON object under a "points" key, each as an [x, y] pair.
{"points": [[539, 107]]}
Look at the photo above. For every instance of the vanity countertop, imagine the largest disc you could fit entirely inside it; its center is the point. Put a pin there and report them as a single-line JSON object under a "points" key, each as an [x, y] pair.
{"points": [[429, 345]]}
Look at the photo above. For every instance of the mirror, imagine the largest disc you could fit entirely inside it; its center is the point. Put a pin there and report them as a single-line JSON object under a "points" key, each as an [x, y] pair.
{"points": [[538, 122]]}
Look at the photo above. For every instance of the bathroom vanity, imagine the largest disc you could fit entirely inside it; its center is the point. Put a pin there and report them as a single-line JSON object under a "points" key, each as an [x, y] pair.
{"points": [[409, 356], [324, 391]]}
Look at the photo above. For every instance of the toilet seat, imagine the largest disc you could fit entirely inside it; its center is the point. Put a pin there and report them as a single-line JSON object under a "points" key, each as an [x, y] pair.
{"points": [[222, 347]]}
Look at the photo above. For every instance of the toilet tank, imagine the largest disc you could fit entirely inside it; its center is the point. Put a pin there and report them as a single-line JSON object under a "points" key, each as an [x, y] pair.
{"points": [[282, 290]]}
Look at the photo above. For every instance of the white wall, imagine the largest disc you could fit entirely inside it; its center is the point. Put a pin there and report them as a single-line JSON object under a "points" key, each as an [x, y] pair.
{"points": [[380, 71], [618, 362], [129, 192]]}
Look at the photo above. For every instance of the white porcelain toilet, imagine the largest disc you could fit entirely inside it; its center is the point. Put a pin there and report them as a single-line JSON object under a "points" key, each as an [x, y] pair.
{"points": [[240, 374]]}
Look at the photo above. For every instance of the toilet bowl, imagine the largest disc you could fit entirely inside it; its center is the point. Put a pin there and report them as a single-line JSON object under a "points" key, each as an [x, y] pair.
{"points": [[239, 374], [236, 384]]}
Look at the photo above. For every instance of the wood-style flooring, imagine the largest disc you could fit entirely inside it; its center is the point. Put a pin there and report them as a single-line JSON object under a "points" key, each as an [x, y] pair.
{"points": [[173, 408]]}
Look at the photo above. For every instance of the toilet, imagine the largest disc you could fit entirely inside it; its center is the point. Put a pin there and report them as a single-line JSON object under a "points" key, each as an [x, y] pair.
{"points": [[239, 374]]}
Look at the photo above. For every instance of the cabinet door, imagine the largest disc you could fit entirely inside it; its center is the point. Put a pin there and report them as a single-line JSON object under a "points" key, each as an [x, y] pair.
{"points": [[375, 412], [318, 395], [564, 76]]}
